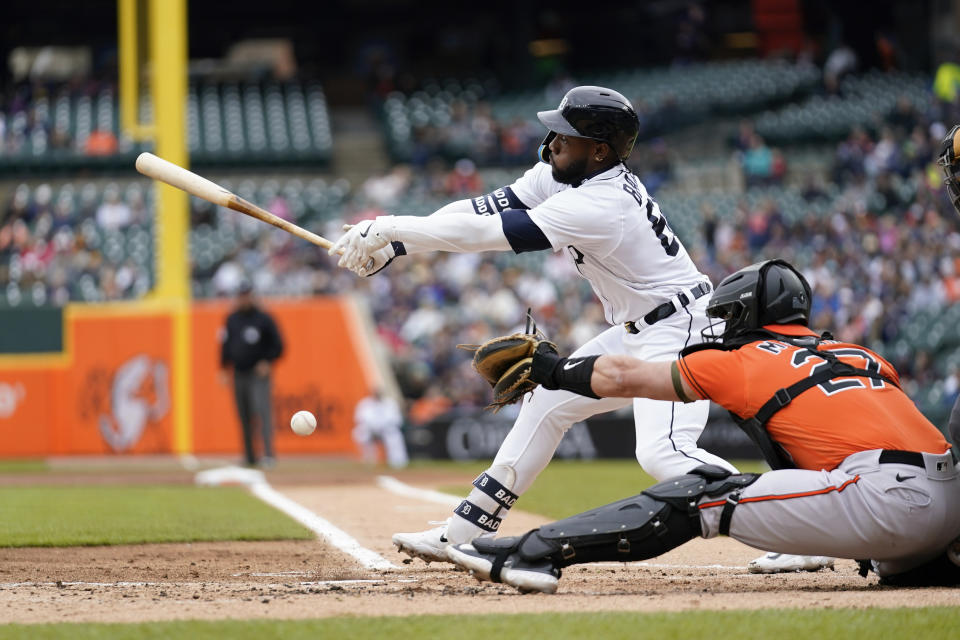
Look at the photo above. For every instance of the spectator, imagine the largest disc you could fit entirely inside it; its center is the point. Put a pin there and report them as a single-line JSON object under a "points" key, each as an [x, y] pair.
{"points": [[113, 213], [101, 143], [19, 207], [431, 405], [464, 179], [658, 165], [757, 162], [840, 62], [946, 81]]}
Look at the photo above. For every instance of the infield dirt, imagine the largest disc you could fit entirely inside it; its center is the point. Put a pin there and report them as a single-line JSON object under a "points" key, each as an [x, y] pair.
{"points": [[285, 579]]}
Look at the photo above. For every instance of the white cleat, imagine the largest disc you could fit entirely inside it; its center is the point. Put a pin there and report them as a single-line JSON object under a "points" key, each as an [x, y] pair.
{"points": [[526, 577], [788, 563], [430, 545]]}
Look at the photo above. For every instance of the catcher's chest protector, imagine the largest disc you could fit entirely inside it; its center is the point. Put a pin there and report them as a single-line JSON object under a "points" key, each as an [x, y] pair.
{"points": [[755, 426]]}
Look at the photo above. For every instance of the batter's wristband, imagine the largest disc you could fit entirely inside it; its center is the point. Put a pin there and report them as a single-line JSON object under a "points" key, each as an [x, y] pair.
{"points": [[573, 374]]}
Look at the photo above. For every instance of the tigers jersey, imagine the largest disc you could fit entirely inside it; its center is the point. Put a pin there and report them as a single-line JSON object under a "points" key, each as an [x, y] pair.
{"points": [[612, 230], [861, 413]]}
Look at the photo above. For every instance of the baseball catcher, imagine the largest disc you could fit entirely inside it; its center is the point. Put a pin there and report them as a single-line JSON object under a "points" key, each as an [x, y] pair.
{"points": [[948, 159], [862, 473]]}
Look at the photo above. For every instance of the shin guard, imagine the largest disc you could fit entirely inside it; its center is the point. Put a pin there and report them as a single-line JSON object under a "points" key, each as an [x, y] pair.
{"points": [[643, 526]]}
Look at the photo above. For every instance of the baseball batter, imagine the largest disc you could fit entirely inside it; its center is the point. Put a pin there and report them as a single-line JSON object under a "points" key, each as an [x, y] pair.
{"points": [[582, 200], [859, 472]]}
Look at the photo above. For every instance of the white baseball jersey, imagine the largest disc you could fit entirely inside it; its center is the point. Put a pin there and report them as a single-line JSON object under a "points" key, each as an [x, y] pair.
{"points": [[612, 229], [375, 416]]}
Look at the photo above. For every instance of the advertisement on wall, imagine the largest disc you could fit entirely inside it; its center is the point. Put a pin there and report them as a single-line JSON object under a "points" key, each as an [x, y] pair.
{"points": [[110, 391]]}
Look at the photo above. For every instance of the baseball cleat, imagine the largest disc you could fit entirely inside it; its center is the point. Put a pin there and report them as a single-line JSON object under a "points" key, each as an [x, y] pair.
{"points": [[788, 563], [430, 545], [541, 577], [953, 552]]}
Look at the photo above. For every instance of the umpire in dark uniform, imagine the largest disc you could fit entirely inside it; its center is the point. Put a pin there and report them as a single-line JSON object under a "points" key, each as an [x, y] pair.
{"points": [[251, 343]]}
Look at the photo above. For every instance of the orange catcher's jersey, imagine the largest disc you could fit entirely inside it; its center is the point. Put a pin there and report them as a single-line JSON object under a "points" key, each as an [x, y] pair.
{"points": [[826, 423]]}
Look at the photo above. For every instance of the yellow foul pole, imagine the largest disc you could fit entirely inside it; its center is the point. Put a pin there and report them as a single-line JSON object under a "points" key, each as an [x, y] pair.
{"points": [[168, 64], [129, 63]]}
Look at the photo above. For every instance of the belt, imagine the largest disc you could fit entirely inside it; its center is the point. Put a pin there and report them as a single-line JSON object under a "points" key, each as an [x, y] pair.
{"points": [[669, 307], [893, 456]]}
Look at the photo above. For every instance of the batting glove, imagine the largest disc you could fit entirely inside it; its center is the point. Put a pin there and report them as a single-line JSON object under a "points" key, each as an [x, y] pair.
{"points": [[380, 259], [359, 244]]}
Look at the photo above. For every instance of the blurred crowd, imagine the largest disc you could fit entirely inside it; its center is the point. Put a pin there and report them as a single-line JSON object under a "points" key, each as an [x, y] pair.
{"points": [[35, 119], [78, 246], [473, 132], [887, 249]]}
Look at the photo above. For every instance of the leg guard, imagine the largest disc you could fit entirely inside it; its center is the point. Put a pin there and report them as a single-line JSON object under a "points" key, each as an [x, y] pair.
{"points": [[939, 572], [485, 507], [644, 526]]}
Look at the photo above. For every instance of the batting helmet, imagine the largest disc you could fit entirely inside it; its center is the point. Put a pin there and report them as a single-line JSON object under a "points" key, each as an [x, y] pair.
{"points": [[770, 292], [592, 112]]}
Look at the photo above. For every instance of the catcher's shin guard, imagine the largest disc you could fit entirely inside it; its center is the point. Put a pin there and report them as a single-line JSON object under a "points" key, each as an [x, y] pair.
{"points": [[644, 526]]}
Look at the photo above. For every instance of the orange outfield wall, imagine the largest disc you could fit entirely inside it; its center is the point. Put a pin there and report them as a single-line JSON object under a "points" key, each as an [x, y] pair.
{"points": [[323, 370], [109, 392]]}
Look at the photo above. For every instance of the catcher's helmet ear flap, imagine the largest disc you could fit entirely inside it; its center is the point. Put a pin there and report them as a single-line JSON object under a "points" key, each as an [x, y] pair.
{"points": [[770, 292], [785, 297], [597, 113]]}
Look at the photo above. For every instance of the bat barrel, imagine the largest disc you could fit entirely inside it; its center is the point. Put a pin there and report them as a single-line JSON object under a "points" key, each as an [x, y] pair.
{"points": [[176, 176]]}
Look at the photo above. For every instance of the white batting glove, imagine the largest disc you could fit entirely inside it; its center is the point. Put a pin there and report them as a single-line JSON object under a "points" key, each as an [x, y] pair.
{"points": [[378, 261], [359, 244]]}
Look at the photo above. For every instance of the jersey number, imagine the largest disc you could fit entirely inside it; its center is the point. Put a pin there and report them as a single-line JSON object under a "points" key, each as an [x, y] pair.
{"points": [[668, 240], [831, 387]]}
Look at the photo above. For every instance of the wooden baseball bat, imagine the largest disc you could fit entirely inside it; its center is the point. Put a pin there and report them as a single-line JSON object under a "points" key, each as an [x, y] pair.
{"points": [[164, 171]]}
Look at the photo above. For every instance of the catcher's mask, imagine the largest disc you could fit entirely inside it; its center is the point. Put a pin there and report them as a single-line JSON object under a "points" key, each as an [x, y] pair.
{"points": [[596, 113], [770, 292]]}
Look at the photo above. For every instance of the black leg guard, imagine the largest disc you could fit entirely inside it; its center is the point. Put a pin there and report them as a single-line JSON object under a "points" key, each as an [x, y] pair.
{"points": [[644, 526], [939, 572]]}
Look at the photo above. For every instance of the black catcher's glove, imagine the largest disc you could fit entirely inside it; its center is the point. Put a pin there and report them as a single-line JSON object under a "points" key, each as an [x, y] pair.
{"points": [[947, 159]]}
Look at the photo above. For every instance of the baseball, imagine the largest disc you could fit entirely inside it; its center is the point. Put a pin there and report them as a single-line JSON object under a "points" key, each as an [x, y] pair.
{"points": [[303, 423]]}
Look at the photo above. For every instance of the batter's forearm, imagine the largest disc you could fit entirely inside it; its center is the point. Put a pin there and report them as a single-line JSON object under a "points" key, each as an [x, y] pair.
{"points": [[456, 231], [458, 206]]}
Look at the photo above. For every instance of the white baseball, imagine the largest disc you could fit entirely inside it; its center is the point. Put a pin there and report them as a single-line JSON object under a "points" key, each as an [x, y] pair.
{"points": [[303, 423]]}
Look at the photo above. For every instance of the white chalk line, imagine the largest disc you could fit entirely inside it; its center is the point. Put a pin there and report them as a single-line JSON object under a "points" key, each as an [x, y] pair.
{"points": [[399, 488], [259, 487], [321, 526], [657, 565], [302, 574], [124, 584]]}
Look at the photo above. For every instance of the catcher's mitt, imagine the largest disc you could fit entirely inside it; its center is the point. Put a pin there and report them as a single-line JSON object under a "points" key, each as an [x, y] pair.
{"points": [[949, 153], [505, 363]]}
